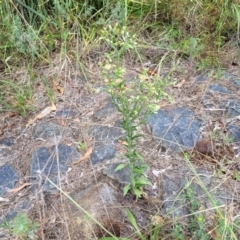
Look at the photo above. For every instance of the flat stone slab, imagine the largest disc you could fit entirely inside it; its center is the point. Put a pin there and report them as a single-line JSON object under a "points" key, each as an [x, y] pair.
{"points": [[102, 153], [234, 132], [47, 129], [105, 111], [5, 149], [233, 108], [218, 88], [7, 141], [229, 76], [105, 134], [18, 208], [8, 178], [4, 155], [100, 202], [174, 192], [51, 162], [237, 82], [202, 78], [122, 176], [177, 129], [105, 138], [66, 113]]}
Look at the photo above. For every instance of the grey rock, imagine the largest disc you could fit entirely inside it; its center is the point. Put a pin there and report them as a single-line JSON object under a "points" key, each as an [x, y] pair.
{"points": [[7, 141], [47, 129], [122, 176], [178, 128], [5, 149], [4, 154], [104, 138], [234, 132], [85, 101], [8, 178], [218, 88], [105, 134], [237, 82], [207, 103], [202, 78], [107, 110], [51, 162], [228, 76], [233, 108], [175, 201], [66, 113], [18, 208], [101, 153]]}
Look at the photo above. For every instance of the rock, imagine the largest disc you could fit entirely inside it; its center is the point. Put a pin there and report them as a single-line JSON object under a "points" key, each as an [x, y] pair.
{"points": [[4, 155], [122, 176], [234, 132], [233, 108], [66, 113], [173, 203], [7, 141], [202, 78], [8, 178], [237, 82], [18, 208], [102, 153], [47, 129], [99, 201], [51, 162], [178, 128], [228, 76], [5, 149], [107, 110], [104, 138], [206, 104], [218, 88], [105, 134], [176, 203], [85, 101]]}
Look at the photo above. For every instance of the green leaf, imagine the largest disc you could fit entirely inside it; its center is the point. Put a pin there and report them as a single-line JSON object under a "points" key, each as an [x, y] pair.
{"points": [[133, 182], [193, 42], [143, 181], [138, 170], [132, 220], [137, 136], [140, 156], [137, 192], [200, 47], [120, 167], [126, 189], [134, 224]]}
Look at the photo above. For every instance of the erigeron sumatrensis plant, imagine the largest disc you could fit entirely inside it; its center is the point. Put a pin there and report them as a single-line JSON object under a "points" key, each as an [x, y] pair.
{"points": [[131, 99]]}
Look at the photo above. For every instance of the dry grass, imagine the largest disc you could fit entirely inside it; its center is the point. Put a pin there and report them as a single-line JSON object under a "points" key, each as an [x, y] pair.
{"points": [[69, 75]]}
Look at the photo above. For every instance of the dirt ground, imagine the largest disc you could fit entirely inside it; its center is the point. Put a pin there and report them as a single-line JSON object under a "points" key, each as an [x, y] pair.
{"points": [[54, 212]]}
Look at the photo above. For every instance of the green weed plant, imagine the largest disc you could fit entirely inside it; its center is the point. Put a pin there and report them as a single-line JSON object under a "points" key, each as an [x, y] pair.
{"points": [[16, 99], [133, 100], [21, 227]]}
